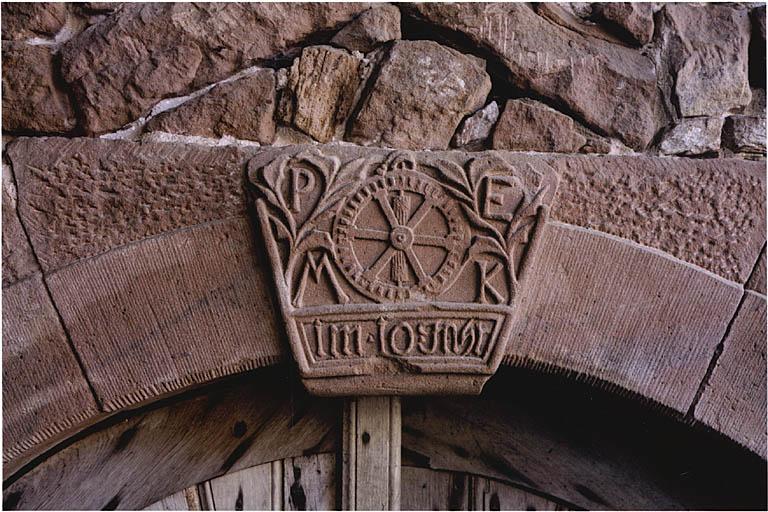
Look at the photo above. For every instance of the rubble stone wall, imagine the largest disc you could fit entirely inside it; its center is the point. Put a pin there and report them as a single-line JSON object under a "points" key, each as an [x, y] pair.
{"points": [[128, 239]]}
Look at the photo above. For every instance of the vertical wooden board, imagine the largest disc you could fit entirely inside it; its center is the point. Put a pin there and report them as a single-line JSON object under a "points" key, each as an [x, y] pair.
{"points": [[488, 494], [372, 454], [143, 316], [428, 489], [44, 389], [247, 489], [734, 400], [309, 483], [177, 501]]}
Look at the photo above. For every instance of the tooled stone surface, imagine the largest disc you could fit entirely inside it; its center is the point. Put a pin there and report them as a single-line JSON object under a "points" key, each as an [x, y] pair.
{"points": [[693, 136], [707, 51], [635, 19], [621, 313], [44, 390], [243, 108], [31, 99], [81, 197], [610, 87], [734, 401], [322, 86], [757, 279], [527, 125], [18, 260], [23, 20], [707, 212], [419, 96], [394, 269], [146, 52], [375, 26]]}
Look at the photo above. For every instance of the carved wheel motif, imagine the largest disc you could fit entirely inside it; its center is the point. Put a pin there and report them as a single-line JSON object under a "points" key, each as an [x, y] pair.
{"points": [[400, 237]]}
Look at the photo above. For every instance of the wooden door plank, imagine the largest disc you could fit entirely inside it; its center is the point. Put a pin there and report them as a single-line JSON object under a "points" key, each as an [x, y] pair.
{"points": [[371, 454], [186, 499], [489, 494], [310, 482], [248, 489], [427, 489]]}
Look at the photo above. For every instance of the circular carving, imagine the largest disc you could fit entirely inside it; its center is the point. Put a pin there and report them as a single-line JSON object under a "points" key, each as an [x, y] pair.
{"points": [[400, 237]]}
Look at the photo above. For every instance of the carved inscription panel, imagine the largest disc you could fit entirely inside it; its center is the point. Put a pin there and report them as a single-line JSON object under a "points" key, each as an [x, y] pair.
{"points": [[395, 269]]}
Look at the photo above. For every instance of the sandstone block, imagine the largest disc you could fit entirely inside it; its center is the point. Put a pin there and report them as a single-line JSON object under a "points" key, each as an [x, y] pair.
{"points": [[23, 20], [634, 19], [79, 198], [707, 47], [693, 136], [145, 52], [18, 259], [420, 95], [643, 320], [610, 88], [243, 108], [142, 317], [707, 212], [44, 390], [475, 130], [375, 26], [745, 134], [532, 126], [32, 102], [734, 400], [322, 87], [757, 279]]}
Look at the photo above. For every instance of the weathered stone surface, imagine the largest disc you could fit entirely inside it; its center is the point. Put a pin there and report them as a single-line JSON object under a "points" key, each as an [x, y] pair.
{"points": [[375, 26], [693, 136], [745, 134], [757, 279], [142, 317], [18, 260], [79, 198], [44, 390], [707, 51], [146, 52], [422, 92], [532, 126], [23, 20], [634, 19], [734, 400], [610, 87], [757, 47], [475, 130], [576, 16], [31, 99], [707, 212], [322, 87], [621, 313], [243, 108]]}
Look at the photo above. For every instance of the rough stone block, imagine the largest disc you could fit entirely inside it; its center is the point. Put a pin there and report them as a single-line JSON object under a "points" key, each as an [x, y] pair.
{"points": [[44, 390], [623, 314], [634, 19], [243, 109], [420, 95], [23, 20], [757, 279], [373, 27], [32, 101], [146, 52], [169, 312], [693, 136], [322, 87], [734, 400], [527, 125], [18, 259]]}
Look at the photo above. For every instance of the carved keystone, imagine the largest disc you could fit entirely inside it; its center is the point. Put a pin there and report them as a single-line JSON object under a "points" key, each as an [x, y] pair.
{"points": [[398, 272]]}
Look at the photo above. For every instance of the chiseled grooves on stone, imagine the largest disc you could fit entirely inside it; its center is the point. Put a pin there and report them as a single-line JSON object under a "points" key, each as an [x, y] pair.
{"points": [[143, 53], [81, 197], [44, 392], [168, 312], [734, 400], [609, 309], [708, 212]]}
